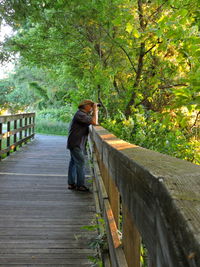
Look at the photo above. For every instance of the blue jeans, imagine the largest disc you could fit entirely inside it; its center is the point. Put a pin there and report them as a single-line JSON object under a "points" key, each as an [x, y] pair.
{"points": [[76, 171]]}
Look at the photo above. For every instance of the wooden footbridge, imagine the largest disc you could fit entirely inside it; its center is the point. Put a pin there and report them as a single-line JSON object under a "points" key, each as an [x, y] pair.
{"points": [[150, 202]]}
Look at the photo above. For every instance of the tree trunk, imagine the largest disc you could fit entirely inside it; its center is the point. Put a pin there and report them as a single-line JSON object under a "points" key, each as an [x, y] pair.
{"points": [[137, 80], [140, 62], [100, 101]]}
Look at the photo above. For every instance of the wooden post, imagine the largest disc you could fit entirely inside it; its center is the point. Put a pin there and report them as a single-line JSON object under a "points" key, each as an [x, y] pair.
{"points": [[131, 239], [20, 133], [34, 125], [25, 129], [30, 124], [104, 174], [8, 136], [1, 131], [15, 135], [114, 200]]}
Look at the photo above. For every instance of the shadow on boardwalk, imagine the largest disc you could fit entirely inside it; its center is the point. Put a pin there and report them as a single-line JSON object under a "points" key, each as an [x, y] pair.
{"points": [[40, 219]]}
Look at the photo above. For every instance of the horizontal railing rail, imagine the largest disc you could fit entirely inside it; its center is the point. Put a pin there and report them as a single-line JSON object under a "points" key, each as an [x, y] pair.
{"points": [[14, 131], [151, 198]]}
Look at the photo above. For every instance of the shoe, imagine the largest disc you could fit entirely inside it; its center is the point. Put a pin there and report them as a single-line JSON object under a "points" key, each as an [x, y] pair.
{"points": [[82, 188], [72, 186]]}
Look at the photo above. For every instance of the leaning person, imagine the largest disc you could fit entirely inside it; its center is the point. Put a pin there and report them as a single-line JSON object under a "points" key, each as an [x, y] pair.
{"points": [[78, 132]]}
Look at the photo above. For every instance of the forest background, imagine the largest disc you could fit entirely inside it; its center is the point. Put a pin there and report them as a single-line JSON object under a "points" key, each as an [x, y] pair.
{"points": [[139, 59]]}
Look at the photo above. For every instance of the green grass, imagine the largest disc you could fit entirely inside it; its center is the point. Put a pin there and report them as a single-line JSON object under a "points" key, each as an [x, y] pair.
{"points": [[51, 127]]}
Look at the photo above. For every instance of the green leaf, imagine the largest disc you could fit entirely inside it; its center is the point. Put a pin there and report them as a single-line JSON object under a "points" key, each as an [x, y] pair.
{"points": [[129, 27]]}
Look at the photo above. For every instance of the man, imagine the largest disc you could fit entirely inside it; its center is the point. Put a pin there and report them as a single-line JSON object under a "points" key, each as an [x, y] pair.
{"points": [[77, 137]]}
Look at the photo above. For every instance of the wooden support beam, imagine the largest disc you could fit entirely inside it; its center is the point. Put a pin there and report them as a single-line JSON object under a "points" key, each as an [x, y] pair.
{"points": [[20, 130], [131, 239], [25, 124], [15, 135], [1, 128], [8, 137]]}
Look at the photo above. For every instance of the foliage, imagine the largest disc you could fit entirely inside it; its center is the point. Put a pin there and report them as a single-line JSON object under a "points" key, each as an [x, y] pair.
{"points": [[54, 121], [143, 256], [51, 127], [63, 114], [139, 58], [99, 243], [162, 132]]}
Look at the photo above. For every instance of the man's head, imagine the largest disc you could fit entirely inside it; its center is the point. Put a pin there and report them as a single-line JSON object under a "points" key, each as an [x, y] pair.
{"points": [[86, 105]]}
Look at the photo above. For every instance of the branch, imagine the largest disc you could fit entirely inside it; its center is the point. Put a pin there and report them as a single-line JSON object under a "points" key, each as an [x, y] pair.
{"points": [[150, 49], [141, 15], [173, 85], [156, 11], [196, 119], [162, 87], [123, 49], [159, 42], [100, 101], [128, 58]]}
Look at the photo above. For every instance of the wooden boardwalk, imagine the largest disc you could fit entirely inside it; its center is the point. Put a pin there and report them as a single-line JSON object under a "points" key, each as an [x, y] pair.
{"points": [[40, 219]]}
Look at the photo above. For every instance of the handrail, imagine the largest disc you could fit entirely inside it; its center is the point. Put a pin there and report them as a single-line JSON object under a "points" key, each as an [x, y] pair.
{"points": [[23, 130], [160, 199]]}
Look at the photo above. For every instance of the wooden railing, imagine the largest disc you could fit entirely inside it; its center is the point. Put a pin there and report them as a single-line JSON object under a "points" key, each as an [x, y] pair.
{"points": [[151, 198], [19, 129]]}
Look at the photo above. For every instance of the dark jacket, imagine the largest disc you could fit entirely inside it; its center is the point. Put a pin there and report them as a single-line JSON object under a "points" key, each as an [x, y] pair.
{"points": [[79, 129]]}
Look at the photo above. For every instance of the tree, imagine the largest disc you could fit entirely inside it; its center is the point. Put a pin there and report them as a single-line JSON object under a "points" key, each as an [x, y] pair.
{"points": [[137, 57]]}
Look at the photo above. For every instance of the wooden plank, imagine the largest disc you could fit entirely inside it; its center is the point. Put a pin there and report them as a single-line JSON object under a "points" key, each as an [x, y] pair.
{"points": [[162, 193], [114, 200], [50, 251], [6, 118], [131, 239], [29, 123], [10, 147], [34, 261], [1, 128], [8, 138], [115, 247], [15, 131], [20, 132], [15, 134], [40, 220], [99, 182], [25, 124]]}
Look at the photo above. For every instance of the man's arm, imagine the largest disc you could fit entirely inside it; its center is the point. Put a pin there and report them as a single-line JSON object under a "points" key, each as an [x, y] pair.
{"points": [[95, 115]]}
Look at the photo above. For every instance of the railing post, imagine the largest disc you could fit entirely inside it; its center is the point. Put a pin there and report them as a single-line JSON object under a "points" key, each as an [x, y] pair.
{"points": [[114, 200], [15, 135], [33, 124], [131, 239], [1, 131], [29, 130], [20, 133], [25, 129], [8, 136]]}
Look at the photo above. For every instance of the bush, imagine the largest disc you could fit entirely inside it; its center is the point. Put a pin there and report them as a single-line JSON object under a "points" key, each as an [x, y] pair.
{"points": [[158, 132], [54, 120], [63, 114], [51, 127]]}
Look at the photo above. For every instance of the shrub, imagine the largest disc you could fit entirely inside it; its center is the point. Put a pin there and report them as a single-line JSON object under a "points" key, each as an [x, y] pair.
{"points": [[158, 132], [51, 127], [63, 114]]}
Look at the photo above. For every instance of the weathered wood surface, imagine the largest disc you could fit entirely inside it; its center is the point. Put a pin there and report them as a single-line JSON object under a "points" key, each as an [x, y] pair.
{"points": [[161, 194], [7, 118], [40, 219]]}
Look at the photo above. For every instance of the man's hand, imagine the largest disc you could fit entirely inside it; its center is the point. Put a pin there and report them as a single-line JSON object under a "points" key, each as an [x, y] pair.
{"points": [[95, 107], [95, 114]]}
